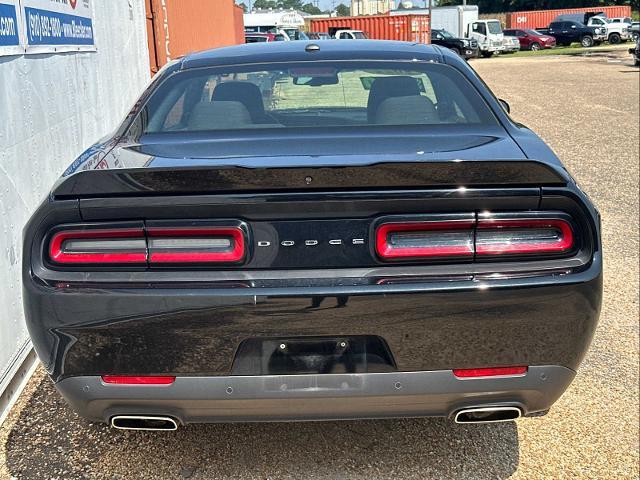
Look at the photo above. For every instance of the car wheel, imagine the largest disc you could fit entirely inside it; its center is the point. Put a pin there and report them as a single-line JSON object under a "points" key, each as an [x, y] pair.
{"points": [[455, 50], [586, 41], [487, 54], [614, 39], [535, 46], [635, 37]]}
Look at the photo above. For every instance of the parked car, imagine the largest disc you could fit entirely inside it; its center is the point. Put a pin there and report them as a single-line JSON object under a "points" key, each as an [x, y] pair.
{"points": [[567, 32], [465, 47], [246, 246], [635, 51], [635, 30], [263, 37], [532, 39], [318, 36], [614, 32], [511, 44]]}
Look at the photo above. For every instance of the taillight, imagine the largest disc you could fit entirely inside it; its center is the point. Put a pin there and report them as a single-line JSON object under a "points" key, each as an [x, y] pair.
{"points": [[453, 238], [489, 372], [99, 246], [138, 380], [523, 236], [196, 245]]}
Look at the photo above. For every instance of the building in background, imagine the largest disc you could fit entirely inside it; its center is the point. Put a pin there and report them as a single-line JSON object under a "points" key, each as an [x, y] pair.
{"points": [[371, 7]]}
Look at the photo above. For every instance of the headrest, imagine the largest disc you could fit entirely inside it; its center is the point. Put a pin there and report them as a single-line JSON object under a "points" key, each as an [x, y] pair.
{"points": [[407, 110], [219, 116], [388, 87], [246, 93]]}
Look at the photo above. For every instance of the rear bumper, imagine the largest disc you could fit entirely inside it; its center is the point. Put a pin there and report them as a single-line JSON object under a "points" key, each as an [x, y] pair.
{"points": [[316, 397], [439, 325]]}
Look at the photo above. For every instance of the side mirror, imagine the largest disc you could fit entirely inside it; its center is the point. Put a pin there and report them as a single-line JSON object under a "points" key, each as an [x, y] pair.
{"points": [[505, 105]]}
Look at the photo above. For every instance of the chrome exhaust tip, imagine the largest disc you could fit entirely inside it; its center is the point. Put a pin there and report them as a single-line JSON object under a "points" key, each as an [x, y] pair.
{"points": [[143, 422], [487, 415]]}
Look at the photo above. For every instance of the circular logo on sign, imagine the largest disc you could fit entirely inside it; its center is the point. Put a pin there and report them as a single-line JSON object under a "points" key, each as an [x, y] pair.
{"points": [[73, 3]]}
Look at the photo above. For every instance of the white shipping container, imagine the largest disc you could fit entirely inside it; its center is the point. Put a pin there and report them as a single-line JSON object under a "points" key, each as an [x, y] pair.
{"points": [[454, 19], [52, 108]]}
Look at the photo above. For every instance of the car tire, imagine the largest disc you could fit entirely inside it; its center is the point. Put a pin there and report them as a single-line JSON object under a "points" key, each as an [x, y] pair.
{"points": [[455, 50], [534, 47], [614, 39], [487, 54], [587, 41], [635, 36]]}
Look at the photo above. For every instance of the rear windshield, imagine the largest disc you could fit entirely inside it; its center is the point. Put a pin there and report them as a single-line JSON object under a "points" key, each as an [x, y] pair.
{"points": [[313, 94]]}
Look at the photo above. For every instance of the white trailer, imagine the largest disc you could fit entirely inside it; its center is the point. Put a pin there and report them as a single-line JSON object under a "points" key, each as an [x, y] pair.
{"points": [[454, 19]]}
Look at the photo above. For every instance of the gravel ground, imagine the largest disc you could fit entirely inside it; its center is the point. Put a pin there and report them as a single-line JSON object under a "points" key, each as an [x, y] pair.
{"points": [[592, 432]]}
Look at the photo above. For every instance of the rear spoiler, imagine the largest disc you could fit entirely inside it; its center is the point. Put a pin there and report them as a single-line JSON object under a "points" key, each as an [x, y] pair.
{"points": [[235, 179]]}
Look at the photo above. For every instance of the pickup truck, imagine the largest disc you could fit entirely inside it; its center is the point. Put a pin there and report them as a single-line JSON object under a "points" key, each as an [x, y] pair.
{"points": [[568, 32], [465, 47], [615, 32]]}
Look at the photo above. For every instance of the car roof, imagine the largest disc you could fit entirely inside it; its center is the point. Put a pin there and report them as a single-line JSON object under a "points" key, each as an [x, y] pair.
{"points": [[296, 51]]}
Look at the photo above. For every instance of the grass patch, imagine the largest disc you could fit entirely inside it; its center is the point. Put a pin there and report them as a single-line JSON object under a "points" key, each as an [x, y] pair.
{"points": [[575, 49]]}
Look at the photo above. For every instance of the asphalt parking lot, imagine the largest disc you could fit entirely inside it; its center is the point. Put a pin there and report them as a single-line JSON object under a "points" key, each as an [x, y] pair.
{"points": [[587, 109]]}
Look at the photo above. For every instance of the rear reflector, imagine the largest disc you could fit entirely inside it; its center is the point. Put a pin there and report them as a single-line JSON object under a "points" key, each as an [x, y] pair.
{"points": [[196, 245], [523, 236], [452, 238], [489, 372], [138, 380], [126, 245]]}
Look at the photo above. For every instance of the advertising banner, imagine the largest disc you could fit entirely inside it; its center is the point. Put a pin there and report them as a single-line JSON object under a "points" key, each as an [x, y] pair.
{"points": [[10, 26], [58, 25]]}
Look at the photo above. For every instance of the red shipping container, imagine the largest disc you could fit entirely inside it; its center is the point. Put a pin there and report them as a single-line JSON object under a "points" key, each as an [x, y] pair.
{"points": [[408, 28], [542, 18], [178, 27]]}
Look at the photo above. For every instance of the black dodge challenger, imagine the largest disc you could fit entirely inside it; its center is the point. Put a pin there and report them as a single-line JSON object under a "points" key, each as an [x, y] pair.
{"points": [[300, 231]]}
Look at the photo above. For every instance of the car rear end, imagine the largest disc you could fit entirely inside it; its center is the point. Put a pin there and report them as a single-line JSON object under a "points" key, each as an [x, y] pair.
{"points": [[392, 270]]}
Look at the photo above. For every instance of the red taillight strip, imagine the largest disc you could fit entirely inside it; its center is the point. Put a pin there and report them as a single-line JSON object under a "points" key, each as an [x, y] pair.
{"points": [[386, 251], [138, 380], [57, 254], [234, 255], [489, 372], [565, 243]]}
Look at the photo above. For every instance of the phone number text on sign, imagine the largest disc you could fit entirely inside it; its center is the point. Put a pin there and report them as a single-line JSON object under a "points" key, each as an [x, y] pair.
{"points": [[53, 28]]}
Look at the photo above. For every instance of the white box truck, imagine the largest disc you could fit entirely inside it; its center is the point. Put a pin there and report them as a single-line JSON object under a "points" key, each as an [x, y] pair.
{"points": [[464, 22]]}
